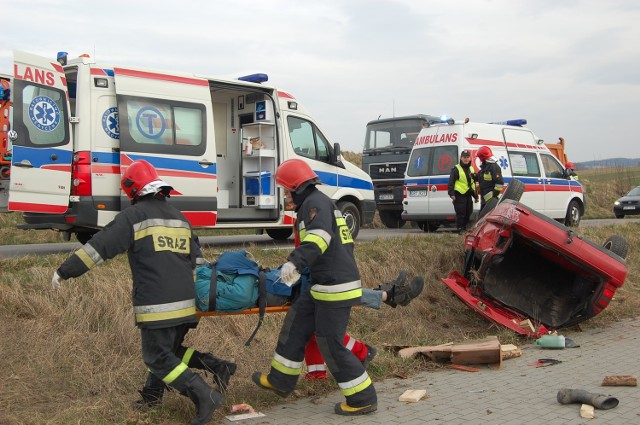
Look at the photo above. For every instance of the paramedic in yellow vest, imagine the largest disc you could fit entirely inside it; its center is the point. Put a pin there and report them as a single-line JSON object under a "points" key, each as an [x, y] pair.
{"points": [[489, 176], [461, 189], [162, 256], [324, 306]]}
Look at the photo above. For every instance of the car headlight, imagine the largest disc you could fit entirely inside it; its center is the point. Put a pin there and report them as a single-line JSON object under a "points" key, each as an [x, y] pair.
{"points": [[616, 203]]}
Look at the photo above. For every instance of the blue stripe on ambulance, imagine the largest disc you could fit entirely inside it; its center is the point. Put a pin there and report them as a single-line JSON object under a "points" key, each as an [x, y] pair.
{"points": [[338, 180], [175, 164], [41, 156]]}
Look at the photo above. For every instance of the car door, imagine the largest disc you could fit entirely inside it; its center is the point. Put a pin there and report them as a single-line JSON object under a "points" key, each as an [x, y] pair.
{"points": [[557, 189], [43, 149], [167, 120], [525, 167]]}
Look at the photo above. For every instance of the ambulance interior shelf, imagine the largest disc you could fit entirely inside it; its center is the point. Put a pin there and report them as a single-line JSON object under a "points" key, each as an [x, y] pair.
{"points": [[258, 164]]}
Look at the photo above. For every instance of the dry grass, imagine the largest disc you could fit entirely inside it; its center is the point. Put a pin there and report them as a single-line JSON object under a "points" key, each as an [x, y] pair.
{"points": [[73, 356]]}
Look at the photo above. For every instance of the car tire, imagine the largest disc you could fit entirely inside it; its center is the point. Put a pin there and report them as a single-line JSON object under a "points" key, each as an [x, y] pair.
{"points": [[428, 226], [618, 245], [392, 219], [574, 214], [619, 216], [514, 190], [490, 205], [352, 217], [280, 234]]}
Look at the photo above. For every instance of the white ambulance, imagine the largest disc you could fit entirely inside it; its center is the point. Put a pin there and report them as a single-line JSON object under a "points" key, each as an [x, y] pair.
{"points": [[520, 154], [77, 125]]}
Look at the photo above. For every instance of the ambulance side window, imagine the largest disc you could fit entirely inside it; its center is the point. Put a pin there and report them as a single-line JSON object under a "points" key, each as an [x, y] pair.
{"points": [[44, 115], [432, 161], [161, 126], [524, 164], [307, 140], [552, 167]]}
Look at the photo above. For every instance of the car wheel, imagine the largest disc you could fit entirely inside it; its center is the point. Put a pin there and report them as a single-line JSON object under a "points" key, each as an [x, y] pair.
{"points": [[351, 216], [618, 245], [491, 204], [392, 219], [619, 216], [514, 190], [428, 226], [279, 234], [574, 214]]}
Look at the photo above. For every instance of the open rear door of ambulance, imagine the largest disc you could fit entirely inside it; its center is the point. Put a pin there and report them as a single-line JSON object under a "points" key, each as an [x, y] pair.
{"points": [[167, 120], [43, 150]]}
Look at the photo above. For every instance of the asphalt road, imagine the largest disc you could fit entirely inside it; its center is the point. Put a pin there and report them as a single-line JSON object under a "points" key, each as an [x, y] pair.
{"points": [[239, 241]]}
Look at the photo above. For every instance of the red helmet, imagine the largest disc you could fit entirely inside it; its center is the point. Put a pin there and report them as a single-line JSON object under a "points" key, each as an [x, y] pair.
{"points": [[292, 173], [484, 153], [137, 175], [569, 165]]}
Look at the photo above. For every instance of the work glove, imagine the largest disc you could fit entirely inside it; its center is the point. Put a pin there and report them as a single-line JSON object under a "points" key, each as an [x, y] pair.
{"points": [[288, 273], [56, 280]]}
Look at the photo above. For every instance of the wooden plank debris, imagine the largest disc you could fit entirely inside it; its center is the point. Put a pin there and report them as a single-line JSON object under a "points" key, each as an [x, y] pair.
{"points": [[481, 351], [412, 396], [509, 351], [620, 381], [587, 411]]}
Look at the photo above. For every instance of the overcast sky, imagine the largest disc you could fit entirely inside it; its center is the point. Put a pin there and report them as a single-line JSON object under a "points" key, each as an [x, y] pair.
{"points": [[570, 67]]}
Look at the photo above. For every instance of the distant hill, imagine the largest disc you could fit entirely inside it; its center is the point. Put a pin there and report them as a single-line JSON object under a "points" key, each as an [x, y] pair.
{"points": [[608, 163]]}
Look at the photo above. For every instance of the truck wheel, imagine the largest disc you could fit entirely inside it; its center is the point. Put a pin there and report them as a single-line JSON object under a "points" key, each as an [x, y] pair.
{"points": [[618, 245], [619, 216], [574, 214], [279, 234], [428, 226], [83, 237], [352, 217], [514, 190], [391, 219]]}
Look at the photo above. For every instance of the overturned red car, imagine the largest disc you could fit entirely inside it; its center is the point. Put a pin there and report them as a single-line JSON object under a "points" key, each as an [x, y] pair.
{"points": [[532, 274]]}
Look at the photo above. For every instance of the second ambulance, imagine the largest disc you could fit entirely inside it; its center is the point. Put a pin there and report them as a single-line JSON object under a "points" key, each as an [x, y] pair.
{"points": [[549, 189]]}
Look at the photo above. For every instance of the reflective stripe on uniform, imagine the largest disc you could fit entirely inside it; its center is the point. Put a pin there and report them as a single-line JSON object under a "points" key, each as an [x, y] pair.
{"points": [[488, 196], [355, 385], [339, 292], [320, 237], [159, 222], [89, 256], [317, 367], [162, 230], [177, 371], [498, 187], [187, 355], [350, 343], [152, 313], [286, 366]]}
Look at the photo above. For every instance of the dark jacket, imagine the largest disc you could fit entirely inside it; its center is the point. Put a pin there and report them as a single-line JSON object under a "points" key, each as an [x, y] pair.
{"points": [[326, 248], [161, 251], [490, 180]]}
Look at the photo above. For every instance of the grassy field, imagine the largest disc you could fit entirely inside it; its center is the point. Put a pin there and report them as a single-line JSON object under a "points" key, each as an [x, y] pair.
{"points": [[73, 356]]}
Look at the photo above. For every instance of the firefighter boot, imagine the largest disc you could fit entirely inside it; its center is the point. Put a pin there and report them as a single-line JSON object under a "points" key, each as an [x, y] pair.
{"points": [[599, 401], [403, 294], [151, 397], [206, 399], [345, 410], [261, 380], [221, 370]]}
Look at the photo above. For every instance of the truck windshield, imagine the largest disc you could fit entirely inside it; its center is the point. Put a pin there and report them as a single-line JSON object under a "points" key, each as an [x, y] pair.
{"points": [[392, 134]]}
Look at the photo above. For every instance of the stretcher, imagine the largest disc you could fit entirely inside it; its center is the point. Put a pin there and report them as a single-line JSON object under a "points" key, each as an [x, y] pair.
{"points": [[255, 310]]}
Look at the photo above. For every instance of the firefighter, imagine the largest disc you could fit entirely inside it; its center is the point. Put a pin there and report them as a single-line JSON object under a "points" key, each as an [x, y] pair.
{"points": [[489, 176], [162, 255], [461, 189], [326, 248], [571, 171]]}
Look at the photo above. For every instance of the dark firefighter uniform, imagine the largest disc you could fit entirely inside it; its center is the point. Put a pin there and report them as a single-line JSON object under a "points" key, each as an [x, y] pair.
{"points": [[161, 253], [489, 178], [326, 248], [461, 186]]}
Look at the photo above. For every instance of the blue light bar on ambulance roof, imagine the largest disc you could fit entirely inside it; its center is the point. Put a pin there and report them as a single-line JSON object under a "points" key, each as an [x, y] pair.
{"points": [[255, 78], [446, 119], [519, 122]]}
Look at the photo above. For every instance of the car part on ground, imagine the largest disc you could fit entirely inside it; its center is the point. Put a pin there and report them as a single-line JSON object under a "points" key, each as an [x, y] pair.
{"points": [[521, 266]]}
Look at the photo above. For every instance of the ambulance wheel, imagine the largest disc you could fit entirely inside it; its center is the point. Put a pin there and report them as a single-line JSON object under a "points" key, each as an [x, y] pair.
{"points": [[491, 204], [392, 219], [83, 237], [279, 234], [574, 214], [619, 216], [618, 245], [351, 216], [428, 226], [514, 190]]}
